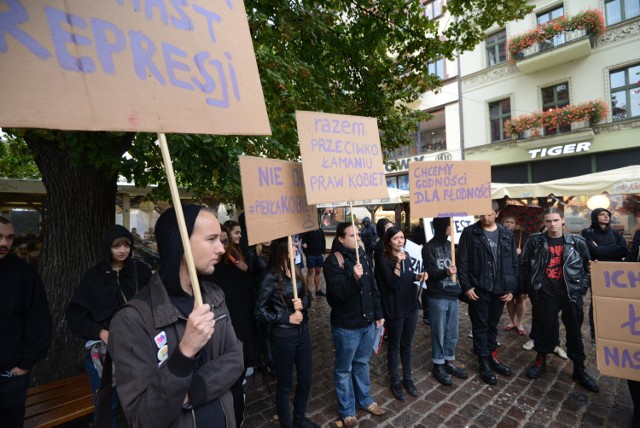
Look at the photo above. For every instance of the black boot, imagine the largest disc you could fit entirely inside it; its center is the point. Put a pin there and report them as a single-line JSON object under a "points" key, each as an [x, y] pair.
{"points": [[396, 390], [486, 374], [441, 375], [581, 376], [497, 365], [453, 370], [410, 387], [539, 366]]}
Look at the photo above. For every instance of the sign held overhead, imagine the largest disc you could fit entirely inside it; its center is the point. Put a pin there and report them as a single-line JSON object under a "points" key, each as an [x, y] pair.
{"points": [[341, 157], [450, 189], [130, 65], [275, 203]]}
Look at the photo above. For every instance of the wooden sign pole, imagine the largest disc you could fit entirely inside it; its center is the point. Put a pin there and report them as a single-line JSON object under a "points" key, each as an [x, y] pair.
{"points": [[184, 235], [355, 233], [453, 247]]}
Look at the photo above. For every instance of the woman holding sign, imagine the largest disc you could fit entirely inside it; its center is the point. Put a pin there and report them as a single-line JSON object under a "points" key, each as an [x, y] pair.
{"points": [[290, 339], [399, 295]]}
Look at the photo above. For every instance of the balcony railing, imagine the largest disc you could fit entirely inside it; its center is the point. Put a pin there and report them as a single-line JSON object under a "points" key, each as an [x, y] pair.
{"points": [[557, 41]]}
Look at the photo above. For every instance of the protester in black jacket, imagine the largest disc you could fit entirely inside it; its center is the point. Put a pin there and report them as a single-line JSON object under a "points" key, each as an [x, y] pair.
{"points": [[381, 227], [605, 244], [25, 328], [355, 314], [290, 339], [102, 291], [555, 269], [443, 294], [399, 295], [634, 385], [488, 275]]}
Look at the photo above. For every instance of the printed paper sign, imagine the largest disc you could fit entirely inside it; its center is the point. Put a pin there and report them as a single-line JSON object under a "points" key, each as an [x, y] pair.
{"points": [[275, 203], [341, 157], [453, 188], [616, 307], [130, 65], [459, 223], [415, 251]]}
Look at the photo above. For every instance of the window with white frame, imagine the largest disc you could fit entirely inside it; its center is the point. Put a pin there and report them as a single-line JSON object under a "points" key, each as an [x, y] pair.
{"points": [[436, 67], [499, 113], [550, 14], [625, 92], [621, 10], [433, 8], [496, 46], [554, 97]]}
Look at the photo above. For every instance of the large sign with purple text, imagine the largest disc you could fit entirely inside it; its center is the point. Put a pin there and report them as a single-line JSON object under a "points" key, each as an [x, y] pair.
{"points": [[341, 157], [616, 308], [275, 204], [130, 65], [450, 188]]}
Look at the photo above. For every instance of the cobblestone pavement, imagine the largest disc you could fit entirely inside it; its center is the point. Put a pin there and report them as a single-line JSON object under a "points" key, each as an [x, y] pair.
{"points": [[516, 401]]}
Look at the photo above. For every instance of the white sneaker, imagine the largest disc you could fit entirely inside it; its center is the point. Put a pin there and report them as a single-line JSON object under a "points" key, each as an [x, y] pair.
{"points": [[249, 372], [471, 334], [561, 352], [528, 346]]}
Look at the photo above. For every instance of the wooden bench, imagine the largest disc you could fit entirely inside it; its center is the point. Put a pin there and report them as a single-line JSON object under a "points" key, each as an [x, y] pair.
{"points": [[58, 402]]}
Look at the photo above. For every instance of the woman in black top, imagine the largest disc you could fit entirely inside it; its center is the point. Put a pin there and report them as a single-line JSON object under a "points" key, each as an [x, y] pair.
{"points": [[290, 339], [103, 289], [399, 295]]}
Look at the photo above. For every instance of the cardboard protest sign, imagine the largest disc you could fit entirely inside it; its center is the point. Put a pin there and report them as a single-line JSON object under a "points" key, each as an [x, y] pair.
{"points": [[616, 308], [451, 188], [158, 66], [458, 222], [275, 203], [341, 157]]}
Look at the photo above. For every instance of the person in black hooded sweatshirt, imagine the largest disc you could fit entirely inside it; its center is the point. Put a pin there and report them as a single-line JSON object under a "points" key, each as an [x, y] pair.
{"points": [[605, 244], [102, 291], [175, 363]]}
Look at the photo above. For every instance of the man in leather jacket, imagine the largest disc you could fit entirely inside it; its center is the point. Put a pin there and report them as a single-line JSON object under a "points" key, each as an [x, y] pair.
{"points": [[555, 269]]}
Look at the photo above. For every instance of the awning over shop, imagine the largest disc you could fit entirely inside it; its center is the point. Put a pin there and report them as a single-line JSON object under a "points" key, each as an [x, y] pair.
{"points": [[396, 196], [615, 182]]}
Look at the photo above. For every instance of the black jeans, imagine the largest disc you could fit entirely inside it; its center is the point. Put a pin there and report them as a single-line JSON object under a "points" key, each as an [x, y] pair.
{"points": [[401, 333], [545, 319], [634, 390], [287, 352], [485, 315], [13, 396], [424, 299]]}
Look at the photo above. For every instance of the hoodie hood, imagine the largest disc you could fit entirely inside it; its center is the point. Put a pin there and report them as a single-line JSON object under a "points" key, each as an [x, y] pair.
{"points": [[440, 225], [594, 218], [170, 245], [112, 234], [380, 227]]}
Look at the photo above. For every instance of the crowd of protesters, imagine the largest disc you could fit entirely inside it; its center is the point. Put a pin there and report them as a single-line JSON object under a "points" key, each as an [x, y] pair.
{"points": [[179, 364]]}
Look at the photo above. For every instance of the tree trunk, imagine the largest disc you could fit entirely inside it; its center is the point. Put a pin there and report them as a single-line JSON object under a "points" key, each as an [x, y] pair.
{"points": [[80, 208]]}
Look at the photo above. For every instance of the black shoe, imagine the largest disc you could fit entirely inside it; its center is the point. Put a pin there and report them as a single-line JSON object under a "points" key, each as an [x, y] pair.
{"points": [[410, 387], [441, 375], [453, 370], [486, 374], [396, 390], [270, 369], [580, 375], [538, 368], [306, 423], [427, 321], [321, 293], [497, 365]]}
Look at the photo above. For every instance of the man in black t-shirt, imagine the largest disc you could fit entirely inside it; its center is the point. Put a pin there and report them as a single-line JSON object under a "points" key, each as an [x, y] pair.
{"points": [[555, 268]]}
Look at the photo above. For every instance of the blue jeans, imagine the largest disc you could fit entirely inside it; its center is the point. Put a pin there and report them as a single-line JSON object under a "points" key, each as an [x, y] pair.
{"points": [[444, 329], [95, 381], [401, 332], [351, 372]]}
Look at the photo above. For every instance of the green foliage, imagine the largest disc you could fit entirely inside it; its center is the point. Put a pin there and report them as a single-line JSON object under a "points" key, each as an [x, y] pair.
{"points": [[16, 160]]}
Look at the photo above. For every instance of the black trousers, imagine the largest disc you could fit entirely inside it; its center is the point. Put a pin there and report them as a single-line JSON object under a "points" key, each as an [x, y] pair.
{"points": [[485, 315], [634, 390], [545, 320], [289, 352], [401, 332], [13, 396]]}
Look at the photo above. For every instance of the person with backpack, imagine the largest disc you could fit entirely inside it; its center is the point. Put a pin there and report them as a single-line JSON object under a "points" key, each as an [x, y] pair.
{"points": [[105, 287], [175, 361], [356, 312]]}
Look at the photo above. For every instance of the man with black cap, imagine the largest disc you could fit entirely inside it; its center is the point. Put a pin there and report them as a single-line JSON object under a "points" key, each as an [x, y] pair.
{"points": [[605, 244], [175, 363]]}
